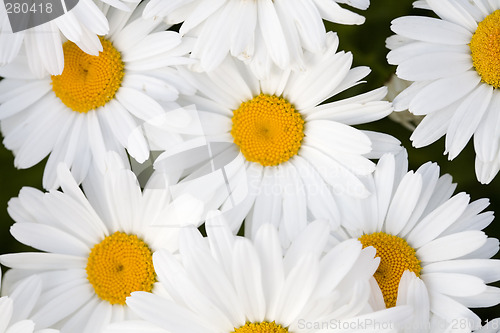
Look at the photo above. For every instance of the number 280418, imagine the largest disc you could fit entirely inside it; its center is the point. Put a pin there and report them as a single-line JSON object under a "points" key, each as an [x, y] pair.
{"points": [[25, 8]]}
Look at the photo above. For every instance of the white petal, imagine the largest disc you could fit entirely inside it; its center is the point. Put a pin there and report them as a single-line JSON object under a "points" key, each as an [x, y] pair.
{"points": [[36, 260], [487, 270], [248, 280], [445, 307], [403, 203], [443, 92], [341, 179], [25, 296], [466, 119], [432, 225], [297, 289], [268, 246], [432, 127], [272, 31], [140, 105], [99, 318], [487, 136], [152, 44], [336, 136], [431, 30], [152, 308], [63, 304], [453, 284], [452, 246], [434, 66]]}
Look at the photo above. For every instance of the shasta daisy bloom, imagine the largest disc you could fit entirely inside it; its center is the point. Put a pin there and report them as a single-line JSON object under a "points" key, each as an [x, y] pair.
{"points": [[97, 245], [262, 31], [288, 152], [43, 43], [230, 284], [454, 63], [98, 103], [418, 225]]}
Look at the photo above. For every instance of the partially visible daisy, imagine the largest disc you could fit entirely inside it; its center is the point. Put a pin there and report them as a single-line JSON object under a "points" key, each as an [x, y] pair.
{"points": [[418, 225], [97, 245], [98, 103], [289, 152], [16, 308], [394, 86], [229, 284], [262, 32], [43, 43], [454, 63]]}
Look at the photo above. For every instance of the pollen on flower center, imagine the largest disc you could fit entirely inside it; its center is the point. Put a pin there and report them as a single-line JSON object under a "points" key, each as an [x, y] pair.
{"points": [[120, 265], [88, 82], [263, 327], [485, 49], [267, 129], [396, 256]]}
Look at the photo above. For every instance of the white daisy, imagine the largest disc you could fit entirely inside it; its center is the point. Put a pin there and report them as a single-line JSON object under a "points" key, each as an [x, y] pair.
{"points": [[263, 31], [454, 63], [43, 43], [394, 86], [227, 284], [97, 246], [417, 224], [15, 309], [290, 153], [98, 103]]}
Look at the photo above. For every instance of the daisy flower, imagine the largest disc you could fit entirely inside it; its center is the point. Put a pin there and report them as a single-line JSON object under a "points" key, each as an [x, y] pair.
{"points": [[16, 308], [416, 224], [285, 153], [97, 245], [394, 86], [454, 63], [230, 284], [98, 103], [43, 44], [263, 31]]}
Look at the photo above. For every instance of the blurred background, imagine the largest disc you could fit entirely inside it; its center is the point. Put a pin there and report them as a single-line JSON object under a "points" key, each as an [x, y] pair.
{"points": [[367, 43]]}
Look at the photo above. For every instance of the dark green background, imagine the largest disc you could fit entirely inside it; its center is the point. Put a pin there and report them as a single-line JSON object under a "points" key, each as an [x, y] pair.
{"points": [[367, 43]]}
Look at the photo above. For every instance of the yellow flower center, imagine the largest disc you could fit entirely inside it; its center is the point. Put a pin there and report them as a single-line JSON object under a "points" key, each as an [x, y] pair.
{"points": [[263, 327], [396, 256], [485, 49], [119, 265], [267, 129], [88, 82]]}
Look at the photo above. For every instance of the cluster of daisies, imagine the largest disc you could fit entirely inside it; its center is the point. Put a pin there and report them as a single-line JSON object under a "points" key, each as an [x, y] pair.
{"points": [[203, 176]]}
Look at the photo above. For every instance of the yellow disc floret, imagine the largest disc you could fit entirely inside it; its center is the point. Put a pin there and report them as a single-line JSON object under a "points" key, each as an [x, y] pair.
{"points": [[263, 327], [396, 256], [485, 49], [88, 82], [267, 129], [120, 265]]}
